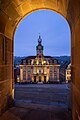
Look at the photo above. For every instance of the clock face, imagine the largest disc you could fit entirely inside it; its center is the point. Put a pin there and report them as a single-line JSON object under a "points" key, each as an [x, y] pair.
{"points": [[39, 47]]}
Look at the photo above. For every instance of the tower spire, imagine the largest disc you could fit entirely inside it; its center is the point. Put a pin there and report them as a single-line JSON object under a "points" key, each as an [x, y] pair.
{"points": [[39, 39], [39, 36]]}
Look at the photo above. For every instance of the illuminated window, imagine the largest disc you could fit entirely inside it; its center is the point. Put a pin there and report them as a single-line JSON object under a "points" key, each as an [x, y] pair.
{"points": [[45, 70], [44, 62], [32, 62], [34, 71], [68, 72]]}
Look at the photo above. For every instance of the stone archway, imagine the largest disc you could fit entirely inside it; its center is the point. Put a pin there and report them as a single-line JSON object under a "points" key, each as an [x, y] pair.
{"points": [[11, 13]]}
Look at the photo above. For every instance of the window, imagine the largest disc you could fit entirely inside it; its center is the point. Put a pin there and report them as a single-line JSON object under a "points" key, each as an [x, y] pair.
{"points": [[34, 71], [55, 77], [25, 68], [50, 77], [29, 70], [40, 71], [39, 56], [39, 62], [44, 70], [55, 61], [24, 75], [69, 78], [68, 72], [29, 78], [34, 61], [55, 70], [29, 62], [50, 69], [24, 61]]}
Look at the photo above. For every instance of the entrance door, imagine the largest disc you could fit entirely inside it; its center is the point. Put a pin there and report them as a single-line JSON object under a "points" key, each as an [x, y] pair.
{"points": [[39, 78], [34, 78], [44, 78]]}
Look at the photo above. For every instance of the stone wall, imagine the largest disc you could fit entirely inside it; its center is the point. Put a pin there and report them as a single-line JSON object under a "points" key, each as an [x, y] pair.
{"points": [[6, 73]]}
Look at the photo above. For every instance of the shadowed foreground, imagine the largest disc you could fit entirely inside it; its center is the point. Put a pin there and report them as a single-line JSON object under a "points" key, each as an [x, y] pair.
{"points": [[40, 102]]}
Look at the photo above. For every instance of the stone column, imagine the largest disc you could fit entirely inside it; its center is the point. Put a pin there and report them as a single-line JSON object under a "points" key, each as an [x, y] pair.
{"points": [[74, 17], [6, 73]]}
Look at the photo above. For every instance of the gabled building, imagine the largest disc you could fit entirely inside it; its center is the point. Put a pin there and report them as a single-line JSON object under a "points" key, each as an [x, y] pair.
{"points": [[39, 68], [65, 73], [68, 73]]}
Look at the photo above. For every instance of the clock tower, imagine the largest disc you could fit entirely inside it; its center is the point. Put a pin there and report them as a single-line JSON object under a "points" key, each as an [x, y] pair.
{"points": [[39, 48]]}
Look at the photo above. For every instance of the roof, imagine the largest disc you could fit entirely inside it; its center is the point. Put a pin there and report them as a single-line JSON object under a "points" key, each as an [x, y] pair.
{"points": [[33, 57]]}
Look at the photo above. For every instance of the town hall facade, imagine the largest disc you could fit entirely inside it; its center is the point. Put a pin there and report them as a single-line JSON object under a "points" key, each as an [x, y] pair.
{"points": [[39, 68]]}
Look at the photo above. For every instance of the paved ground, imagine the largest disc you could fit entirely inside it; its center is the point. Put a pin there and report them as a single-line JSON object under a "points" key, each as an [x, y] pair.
{"points": [[40, 102], [46, 94]]}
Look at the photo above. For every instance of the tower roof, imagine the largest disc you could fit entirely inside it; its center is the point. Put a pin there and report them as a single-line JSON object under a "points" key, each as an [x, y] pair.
{"points": [[39, 46]]}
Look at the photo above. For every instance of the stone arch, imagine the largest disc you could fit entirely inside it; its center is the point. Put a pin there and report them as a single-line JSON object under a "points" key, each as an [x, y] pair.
{"points": [[11, 13], [26, 7], [41, 9]]}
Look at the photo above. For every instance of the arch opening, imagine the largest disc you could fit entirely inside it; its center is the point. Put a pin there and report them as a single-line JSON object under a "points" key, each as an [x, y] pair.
{"points": [[44, 34]]}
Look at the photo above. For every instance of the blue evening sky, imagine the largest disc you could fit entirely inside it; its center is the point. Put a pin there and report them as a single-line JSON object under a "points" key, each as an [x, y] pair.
{"points": [[54, 31]]}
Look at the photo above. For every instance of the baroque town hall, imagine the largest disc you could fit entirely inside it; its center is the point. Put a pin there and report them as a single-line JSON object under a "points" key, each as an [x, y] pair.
{"points": [[39, 68]]}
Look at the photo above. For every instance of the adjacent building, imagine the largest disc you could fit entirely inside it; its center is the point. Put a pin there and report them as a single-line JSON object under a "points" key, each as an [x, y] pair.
{"points": [[68, 73], [39, 68], [65, 73]]}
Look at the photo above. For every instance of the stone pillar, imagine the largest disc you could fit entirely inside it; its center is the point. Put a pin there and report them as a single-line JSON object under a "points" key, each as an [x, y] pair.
{"points": [[6, 73], [74, 13], [76, 70]]}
